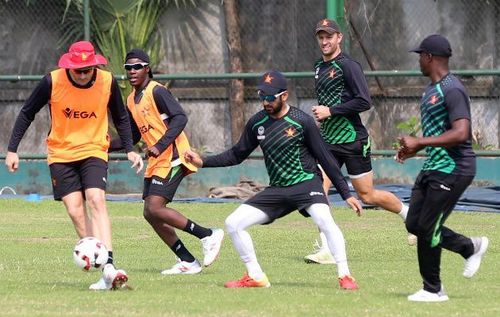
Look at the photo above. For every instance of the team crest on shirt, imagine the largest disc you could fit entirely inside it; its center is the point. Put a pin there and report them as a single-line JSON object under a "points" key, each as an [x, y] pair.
{"points": [[433, 100], [261, 131], [290, 132]]}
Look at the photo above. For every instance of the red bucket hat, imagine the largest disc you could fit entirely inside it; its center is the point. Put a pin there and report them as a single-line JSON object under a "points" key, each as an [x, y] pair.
{"points": [[80, 55]]}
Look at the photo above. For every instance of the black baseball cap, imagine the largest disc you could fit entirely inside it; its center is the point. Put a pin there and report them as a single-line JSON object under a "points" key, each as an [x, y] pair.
{"points": [[272, 83], [434, 44], [140, 54], [327, 25]]}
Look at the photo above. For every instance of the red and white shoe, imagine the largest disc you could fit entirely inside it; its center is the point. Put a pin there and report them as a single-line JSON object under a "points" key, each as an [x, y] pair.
{"points": [[183, 267], [348, 282], [111, 279], [247, 281]]}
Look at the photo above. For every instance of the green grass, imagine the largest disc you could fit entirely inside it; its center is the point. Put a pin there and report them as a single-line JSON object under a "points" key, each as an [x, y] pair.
{"points": [[38, 277]]}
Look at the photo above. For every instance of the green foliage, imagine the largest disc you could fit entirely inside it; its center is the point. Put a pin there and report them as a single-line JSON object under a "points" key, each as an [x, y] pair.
{"points": [[120, 25], [38, 276]]}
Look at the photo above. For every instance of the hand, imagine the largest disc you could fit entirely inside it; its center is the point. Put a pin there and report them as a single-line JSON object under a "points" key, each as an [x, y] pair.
{"points": [[355, 205], [408, 147], [410, 144], [12, 162], [152, 151], [403, 155], [321, 112], [193, 158], [136, 160]]}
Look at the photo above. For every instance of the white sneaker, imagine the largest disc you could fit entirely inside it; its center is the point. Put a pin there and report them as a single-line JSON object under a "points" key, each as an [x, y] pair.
{"points": [[101, 285], [182, 267], [111, 279], [412, 239], [474, 261], [321, 255], [211, 246], [425, 296]]}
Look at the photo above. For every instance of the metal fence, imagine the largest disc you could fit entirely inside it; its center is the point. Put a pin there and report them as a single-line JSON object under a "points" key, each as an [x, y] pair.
{"points": [[276, 34]]}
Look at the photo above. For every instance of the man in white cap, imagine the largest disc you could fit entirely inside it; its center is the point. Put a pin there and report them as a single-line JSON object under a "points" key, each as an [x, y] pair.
{"points": [[80, 96]]}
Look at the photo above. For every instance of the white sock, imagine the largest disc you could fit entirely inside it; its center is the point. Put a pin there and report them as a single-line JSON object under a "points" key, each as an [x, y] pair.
{"points": [[335, 239], [404, 211]]}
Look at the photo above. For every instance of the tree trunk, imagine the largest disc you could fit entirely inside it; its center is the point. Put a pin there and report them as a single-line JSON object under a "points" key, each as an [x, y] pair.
{"points": [[236, 101]]}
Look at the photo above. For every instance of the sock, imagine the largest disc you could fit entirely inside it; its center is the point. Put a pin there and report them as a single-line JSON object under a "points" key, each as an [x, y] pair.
{"points": [[197, 230], [343, 268], [404, 211], [110, 257], [181, 252]]}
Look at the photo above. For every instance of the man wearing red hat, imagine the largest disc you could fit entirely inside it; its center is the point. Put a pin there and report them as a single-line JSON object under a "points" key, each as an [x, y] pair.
{"points": [[80, 96]]}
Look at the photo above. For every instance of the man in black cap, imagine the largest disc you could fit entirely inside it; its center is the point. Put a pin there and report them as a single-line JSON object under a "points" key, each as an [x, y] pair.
{"points": [[291, 145], [160, 120], [449, 169], [342, 94]]}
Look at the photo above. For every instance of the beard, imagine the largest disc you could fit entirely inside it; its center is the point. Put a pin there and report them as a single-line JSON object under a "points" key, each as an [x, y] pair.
{"points": [[270, 109]]}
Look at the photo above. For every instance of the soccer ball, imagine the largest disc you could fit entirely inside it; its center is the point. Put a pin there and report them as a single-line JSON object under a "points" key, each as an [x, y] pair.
{"points": [[90, 253]]}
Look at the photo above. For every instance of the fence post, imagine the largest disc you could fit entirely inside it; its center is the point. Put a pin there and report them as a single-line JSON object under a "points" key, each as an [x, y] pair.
{"points": [[335, 11], [86, 20]]}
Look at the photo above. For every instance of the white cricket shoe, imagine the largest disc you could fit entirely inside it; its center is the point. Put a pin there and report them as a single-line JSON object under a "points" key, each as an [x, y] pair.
{"points": [[183, 267], [111, 279], [425, 296], [321, 255], [412, 239], [473, 262], [211, 246]]}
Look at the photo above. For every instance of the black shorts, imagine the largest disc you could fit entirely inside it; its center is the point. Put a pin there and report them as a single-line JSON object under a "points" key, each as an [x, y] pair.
{"points": [[277, 202], [163, 187], [355, 155], [76, 176]]}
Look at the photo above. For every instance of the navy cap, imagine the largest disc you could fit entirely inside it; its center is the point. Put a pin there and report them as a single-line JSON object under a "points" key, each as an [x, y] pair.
{"points": [[434, 44], [327, 25], [272, 83], [140, 54]]}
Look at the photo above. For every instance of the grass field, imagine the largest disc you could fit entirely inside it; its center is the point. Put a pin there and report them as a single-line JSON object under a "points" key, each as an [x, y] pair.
{"points": [[38, 277]]}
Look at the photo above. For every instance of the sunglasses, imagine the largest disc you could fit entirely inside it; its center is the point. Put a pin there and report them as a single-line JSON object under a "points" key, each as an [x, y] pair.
{"points": [[83, 71], [269, 98], [135, 66]]}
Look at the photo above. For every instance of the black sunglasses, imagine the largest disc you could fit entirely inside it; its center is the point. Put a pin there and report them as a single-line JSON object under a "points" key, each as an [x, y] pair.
{"points": [[135, 66], [84, 70]]}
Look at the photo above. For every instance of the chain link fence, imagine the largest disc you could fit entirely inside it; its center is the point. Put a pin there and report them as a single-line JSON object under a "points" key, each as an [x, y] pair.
{"points": [[274, 34]]}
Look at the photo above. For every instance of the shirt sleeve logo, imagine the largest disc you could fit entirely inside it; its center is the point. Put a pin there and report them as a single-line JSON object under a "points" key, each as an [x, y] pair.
{"points": [[261, 131]]}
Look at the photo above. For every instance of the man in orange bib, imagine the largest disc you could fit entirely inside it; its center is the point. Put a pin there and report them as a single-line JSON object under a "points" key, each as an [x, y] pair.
{"points": [[80, 96], [160, 120]]}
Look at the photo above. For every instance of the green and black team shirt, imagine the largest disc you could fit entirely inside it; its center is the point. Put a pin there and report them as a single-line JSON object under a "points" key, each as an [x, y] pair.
{"points": [[442, 103], [292, 147], [341, 86]]}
